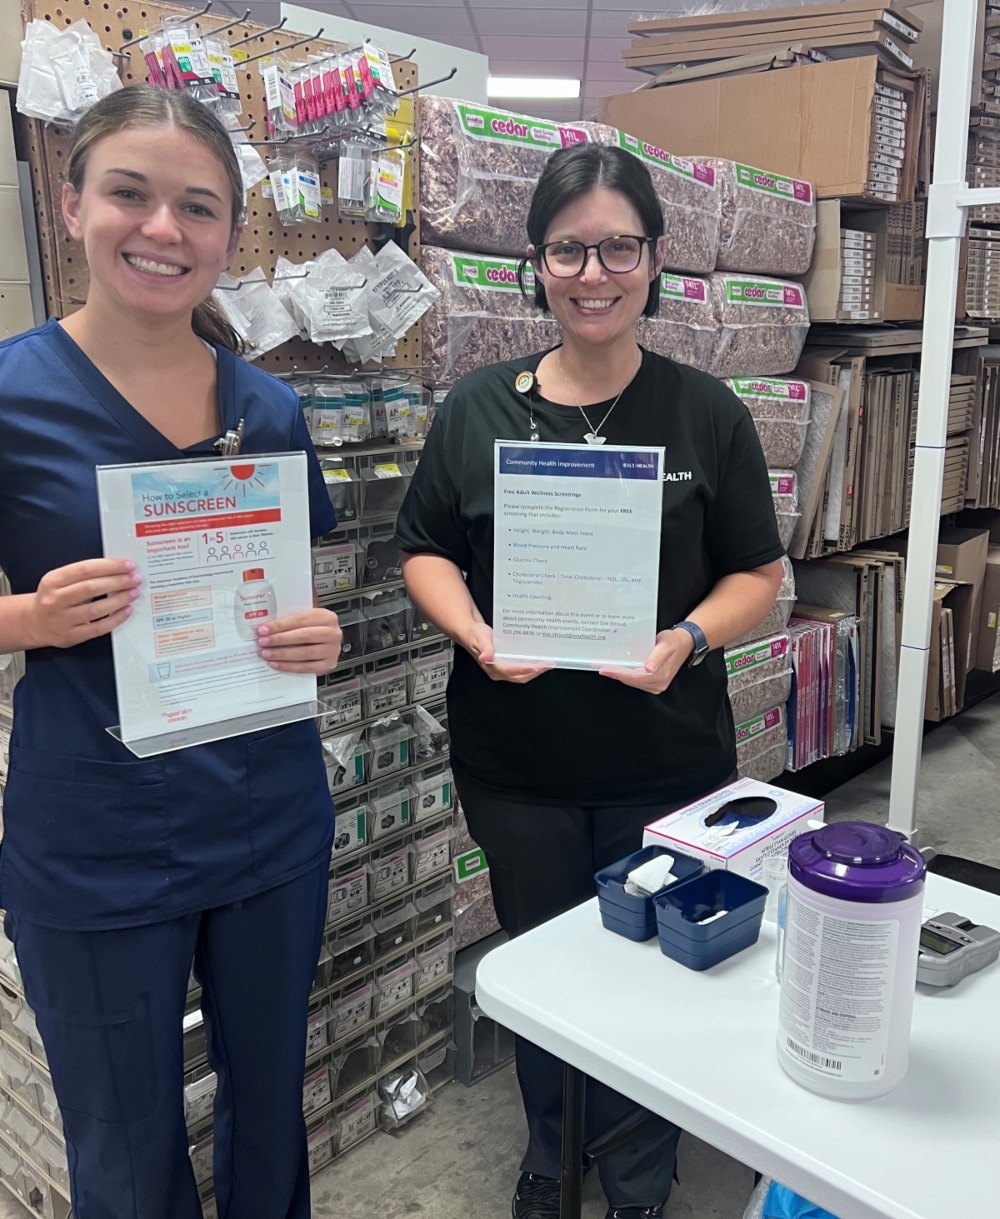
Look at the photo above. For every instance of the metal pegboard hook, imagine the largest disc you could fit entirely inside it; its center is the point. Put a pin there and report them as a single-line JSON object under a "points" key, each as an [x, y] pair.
{"points": [[239, 21], [281, 50], [249, 127], [271, 29], [123, 53], [297, 275], [431, 84], [270, 143], [403, 58]]}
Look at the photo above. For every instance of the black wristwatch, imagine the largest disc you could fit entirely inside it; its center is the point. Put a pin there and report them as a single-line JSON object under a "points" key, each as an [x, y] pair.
{"points": [[700, 642]]}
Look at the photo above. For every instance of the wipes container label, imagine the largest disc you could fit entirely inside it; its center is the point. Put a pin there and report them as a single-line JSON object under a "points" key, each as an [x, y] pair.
{"points": [[836, 992]]}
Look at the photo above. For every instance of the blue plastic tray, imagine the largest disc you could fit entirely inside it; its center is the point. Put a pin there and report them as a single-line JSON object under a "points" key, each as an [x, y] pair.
{"points": [[702, 945], [634, 917]]}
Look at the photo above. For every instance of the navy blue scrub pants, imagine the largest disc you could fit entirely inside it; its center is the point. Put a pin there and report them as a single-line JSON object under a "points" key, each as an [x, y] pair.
{"points": [[109, 1007], [542, 860]]}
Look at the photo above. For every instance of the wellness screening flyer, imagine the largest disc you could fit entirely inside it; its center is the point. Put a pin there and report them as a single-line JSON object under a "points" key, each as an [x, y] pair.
{"points": [[576, 553], [222, 545]]}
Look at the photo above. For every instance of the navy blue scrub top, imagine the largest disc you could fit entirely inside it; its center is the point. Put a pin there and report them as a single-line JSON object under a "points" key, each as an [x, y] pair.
{"points": [[93, 838]]}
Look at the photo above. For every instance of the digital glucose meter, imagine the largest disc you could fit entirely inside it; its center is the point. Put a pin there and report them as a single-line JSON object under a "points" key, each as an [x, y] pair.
{"points": [[952, 947]]}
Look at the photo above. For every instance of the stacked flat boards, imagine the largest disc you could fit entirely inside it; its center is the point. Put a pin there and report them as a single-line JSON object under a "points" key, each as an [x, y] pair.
{"points": [[984, 471], [833, 31], [855, 484]]}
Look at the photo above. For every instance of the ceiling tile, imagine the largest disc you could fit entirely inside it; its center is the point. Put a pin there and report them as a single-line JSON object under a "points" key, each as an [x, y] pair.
{"points": [[540, 50], [534, 22], [607, 50], [482, 6], [629, 9], [422, 19], [614, 74], [572, 68], [607, 23], [467, 42]]}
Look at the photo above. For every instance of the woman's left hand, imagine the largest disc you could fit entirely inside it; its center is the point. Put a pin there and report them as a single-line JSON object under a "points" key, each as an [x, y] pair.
{"points": [[662, 664], [301, 643]]}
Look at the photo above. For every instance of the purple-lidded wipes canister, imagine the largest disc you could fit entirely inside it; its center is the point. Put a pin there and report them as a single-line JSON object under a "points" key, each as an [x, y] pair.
{"points": [[849, 969]]}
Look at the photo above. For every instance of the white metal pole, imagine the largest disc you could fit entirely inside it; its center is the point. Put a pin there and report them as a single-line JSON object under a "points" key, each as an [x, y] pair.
{"points": [[945, 229]]}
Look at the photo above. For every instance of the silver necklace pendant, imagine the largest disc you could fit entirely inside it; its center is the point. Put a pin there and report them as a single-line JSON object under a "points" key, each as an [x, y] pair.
{"points": [[593, 438]]}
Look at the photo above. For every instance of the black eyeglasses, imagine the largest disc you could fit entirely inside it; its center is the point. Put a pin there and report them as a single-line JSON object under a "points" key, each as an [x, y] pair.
{"points": [[618, 255]]}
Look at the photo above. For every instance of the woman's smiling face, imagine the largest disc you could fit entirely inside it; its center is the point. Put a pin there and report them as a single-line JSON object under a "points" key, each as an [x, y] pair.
{"points": [[155, 219], [597, 306]]}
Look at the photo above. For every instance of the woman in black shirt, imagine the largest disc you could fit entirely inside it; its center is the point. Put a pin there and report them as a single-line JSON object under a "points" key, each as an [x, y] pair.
{"points": [[559, 770]]}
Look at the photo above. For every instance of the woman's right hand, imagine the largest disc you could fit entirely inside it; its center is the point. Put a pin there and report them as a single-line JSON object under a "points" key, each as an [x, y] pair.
{"points": [[479, 644], [82, 601]]}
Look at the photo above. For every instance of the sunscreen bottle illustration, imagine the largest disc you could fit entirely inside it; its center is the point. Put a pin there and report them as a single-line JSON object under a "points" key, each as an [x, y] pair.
{"points": [[255, 603]]}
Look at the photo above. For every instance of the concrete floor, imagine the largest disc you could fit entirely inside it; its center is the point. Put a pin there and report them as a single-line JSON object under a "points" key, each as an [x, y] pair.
{"points": [[461, 1160]]}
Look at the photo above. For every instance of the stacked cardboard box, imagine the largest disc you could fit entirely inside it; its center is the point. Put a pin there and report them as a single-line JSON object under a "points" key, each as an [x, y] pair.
{"points": [[888, 143], [822, 123], [905, 264], [893, 236], [857, 282], [982, 280], [989, 96]]}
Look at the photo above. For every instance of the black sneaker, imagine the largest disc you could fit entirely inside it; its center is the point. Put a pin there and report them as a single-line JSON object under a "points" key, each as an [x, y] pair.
{"points": [[535, 1197], [635, 1212]]}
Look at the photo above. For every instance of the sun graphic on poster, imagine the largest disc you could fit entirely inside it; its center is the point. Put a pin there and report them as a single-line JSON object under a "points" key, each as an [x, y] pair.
{"points": [[241, 477]]}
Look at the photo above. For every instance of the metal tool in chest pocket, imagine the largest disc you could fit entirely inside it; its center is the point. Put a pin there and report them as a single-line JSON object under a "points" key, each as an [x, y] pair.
{"points": [[231, 443]]}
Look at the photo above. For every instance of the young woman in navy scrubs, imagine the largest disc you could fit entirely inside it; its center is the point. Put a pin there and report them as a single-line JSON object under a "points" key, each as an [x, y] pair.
{"points": [[116, 874]]}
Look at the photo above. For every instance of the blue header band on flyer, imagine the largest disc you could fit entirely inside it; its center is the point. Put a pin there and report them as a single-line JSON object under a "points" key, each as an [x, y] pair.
{"points": [[574, 463]]}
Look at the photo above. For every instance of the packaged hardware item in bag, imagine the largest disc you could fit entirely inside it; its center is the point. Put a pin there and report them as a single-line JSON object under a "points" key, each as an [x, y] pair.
{"points": [[254, 312], [399, 293], [332, 300], [63, 71]]}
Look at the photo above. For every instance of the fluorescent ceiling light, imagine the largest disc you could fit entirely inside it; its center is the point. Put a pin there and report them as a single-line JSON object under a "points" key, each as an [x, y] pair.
{"points": [[532, 87]]}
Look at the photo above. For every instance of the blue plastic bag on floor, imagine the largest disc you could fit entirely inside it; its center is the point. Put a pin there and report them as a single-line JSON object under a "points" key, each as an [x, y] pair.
{"points": [[781, 1203]]}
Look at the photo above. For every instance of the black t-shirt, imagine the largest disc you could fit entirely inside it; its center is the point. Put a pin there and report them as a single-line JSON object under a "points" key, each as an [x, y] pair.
{"points": [[571, 737]]}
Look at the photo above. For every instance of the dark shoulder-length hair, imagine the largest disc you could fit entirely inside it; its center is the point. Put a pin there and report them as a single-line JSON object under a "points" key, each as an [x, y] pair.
{"points": [[572, 172]]}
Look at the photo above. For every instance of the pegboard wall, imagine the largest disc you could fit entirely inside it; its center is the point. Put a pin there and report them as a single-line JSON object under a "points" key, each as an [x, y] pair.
{"points": [[264, 238]]}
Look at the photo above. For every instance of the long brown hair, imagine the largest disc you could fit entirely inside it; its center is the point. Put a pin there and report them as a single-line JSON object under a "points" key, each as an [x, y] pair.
{"points": [[144, 106]]}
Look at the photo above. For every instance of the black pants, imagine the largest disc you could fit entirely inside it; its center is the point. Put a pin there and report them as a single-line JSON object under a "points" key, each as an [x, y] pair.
{"points": [[542, 862]]}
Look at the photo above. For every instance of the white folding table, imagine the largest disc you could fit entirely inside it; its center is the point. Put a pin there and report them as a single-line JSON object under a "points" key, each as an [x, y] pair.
{"points": [[699, 1049]]}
